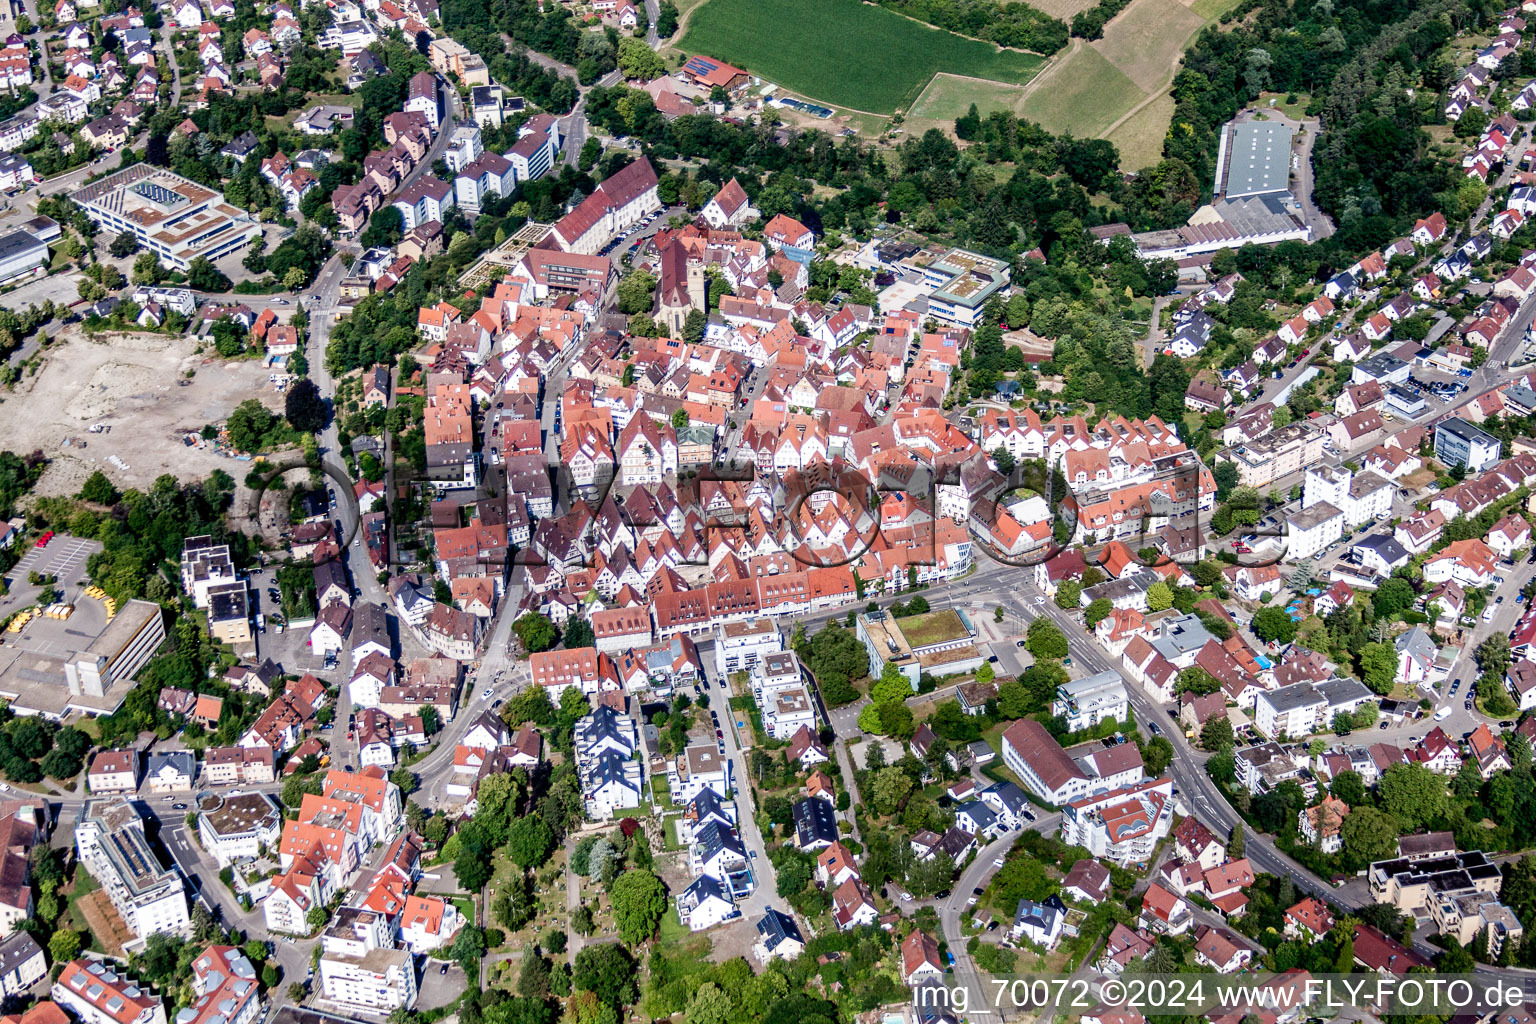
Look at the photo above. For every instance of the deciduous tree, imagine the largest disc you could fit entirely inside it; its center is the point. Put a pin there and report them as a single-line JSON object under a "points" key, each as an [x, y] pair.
{"points": [[639, 901]]}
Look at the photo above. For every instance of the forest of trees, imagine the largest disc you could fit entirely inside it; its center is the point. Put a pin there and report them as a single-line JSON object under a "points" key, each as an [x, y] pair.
{"points": [[1016, 25], [1375, 72]]}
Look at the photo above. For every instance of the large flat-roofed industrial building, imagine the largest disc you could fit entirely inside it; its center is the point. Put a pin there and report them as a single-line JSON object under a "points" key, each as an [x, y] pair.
{"points": [[84, 663], [174, 217], [21, 253], [1258, 159], [1251, 202]]}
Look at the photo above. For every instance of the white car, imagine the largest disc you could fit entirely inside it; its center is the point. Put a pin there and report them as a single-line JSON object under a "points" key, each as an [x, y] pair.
{"points": [[998, 862], [486, 693], [1039, 599]]}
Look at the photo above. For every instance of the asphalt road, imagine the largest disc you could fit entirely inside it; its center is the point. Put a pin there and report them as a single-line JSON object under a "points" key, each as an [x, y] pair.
{"points": [[766, 889]]}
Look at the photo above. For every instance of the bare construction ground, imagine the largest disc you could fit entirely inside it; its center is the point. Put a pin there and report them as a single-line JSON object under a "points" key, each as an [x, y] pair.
{"points": [[128, 382]]}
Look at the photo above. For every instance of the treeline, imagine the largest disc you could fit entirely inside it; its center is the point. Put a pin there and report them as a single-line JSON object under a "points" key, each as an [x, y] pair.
{"points": [[1016, 25], [480, 25], [1090, 24], [931, 188], [1158, 197]]}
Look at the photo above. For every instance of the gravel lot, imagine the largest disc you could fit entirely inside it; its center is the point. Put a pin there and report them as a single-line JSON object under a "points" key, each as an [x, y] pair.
{"points": [[128, 381]]}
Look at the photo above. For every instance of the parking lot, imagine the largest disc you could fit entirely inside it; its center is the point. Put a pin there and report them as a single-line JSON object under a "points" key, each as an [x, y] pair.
{"points": [[1437, 385], [289, 648], [630, 241], [64, 558]]}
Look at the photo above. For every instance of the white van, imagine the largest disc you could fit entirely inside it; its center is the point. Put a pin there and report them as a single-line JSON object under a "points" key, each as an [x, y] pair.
{"points": [[1443, 713]]}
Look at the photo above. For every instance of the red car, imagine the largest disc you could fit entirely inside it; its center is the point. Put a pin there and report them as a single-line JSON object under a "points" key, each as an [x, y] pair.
{"points": [[42, 541]]}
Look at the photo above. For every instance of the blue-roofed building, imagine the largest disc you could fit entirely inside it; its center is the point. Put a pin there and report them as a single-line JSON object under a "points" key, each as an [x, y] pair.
{"points": [[1009, 803], [778, 937], [977, 818], [815, 823], [705, 904], [717, 851]]}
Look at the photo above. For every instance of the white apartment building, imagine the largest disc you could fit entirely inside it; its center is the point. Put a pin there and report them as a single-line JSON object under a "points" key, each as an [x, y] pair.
{"points": [[110, 841], [740, 645], [787, 711], [1312, 530], [1086, 702], [1361, 497], [204, 565], [359, 966], [774, 674], [1305, 708], [22, 964], [1033, 754], [696, 768], [1123, 825], [464, 147], [239, 826]]}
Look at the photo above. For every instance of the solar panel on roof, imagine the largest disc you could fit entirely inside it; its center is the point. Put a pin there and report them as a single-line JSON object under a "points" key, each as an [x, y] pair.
{"points": [[158, 193]]}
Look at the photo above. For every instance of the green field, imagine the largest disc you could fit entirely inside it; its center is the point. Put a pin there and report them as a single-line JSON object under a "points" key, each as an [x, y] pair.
{"points": [[1085, 95], [948, 97], [1210, 10], [1140, 137], [1093, 91], [1147, 40], [844, 52]]}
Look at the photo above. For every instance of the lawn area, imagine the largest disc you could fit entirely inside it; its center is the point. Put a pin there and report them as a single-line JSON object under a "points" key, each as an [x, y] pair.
{"points": [[844, 52], [466, 907], [1296, 111], [85, 884], [932, 628], [1210, 10], [1099, 83], [1084, 94], [1146, 42], [950, 96]]}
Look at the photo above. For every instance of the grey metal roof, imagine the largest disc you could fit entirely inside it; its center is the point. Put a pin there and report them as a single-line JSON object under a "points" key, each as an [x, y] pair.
{"points": [[1343, 691], [1289, 698], [1008, 794], [1259, 158], [181, 761]]}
